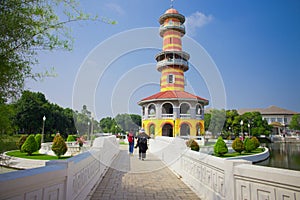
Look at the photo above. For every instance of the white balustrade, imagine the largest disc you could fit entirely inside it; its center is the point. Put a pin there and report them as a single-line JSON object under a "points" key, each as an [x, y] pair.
{"points": [[62, 179], [212, 177]]}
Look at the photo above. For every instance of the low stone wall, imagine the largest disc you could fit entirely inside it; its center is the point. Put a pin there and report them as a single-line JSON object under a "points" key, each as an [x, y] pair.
{"points": [[73, 148], [62, 179], [217, 178]]}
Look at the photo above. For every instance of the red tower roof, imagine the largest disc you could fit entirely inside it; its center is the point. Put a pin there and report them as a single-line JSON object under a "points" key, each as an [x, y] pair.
{"points": [[171, 10], [173, 95]]}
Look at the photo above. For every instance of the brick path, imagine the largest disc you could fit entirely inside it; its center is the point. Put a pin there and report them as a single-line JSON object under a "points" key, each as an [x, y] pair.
{"points": [[131, 178]]}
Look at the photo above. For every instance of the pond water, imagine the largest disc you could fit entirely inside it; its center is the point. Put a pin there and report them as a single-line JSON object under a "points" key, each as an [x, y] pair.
{"points": [[283, 155]]}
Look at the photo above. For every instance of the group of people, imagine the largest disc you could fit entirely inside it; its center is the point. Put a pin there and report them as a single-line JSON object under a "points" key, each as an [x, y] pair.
{"points": [[142, 143]]}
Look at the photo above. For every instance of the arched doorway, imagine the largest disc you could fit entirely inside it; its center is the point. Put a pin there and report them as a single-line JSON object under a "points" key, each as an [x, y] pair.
{"points": [[184, 130], [167, 130], [152, 129]]}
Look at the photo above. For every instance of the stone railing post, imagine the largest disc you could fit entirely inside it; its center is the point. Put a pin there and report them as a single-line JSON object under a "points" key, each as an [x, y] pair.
{"points": [[229, 184]]}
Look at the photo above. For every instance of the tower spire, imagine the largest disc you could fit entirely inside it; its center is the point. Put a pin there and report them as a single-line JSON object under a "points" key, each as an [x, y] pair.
{"points": [[172, 3]]}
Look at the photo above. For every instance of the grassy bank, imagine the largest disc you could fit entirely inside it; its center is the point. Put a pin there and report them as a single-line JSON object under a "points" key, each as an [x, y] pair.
{"points": [[35, 156]]}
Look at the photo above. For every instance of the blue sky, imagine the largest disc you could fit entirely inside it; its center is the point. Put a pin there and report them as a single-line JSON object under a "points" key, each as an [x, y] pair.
{"points": [[254, 46]]}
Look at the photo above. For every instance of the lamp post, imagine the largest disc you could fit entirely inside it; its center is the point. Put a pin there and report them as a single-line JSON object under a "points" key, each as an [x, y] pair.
{"points": [[44, 119], [88, 133], [242, 128], [249, 130]]}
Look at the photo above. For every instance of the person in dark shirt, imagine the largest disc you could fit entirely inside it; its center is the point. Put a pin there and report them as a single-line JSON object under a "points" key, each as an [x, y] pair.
{"points": [[142, 143]]}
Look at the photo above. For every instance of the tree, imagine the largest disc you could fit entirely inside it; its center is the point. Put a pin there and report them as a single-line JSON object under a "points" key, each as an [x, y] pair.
{"points": [[128, 122], [30, 111], [238, 145], [217, 121], [38, 139], [71, 138], [230, 122], [207, 118], [59, 147], [258, 125], [27, 27], [21, 141], [106, 124], [30, 145], [220, 147], [255, 142], [249, 145], [295, 122], [7, 113]]}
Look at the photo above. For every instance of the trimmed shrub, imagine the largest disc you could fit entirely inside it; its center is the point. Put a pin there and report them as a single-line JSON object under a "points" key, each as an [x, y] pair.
{"points": [[220, 147], [256, 142], [29, 145], [21, 141], [38, 139], [192, 144], [238, 145], [71, 138], [59, 147], [249, 145]]}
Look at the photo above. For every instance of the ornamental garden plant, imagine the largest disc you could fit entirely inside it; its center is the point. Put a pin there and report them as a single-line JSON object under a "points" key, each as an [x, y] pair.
{"points": [[30, 145], [249, 146], [21, 141], [59, 147], [38, 139], [220, 147], [71, 138], [192, 144], [238, 145]]}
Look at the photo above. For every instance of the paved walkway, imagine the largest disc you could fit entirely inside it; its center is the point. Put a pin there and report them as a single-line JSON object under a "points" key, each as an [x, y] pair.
{"points": [[131, 178]]}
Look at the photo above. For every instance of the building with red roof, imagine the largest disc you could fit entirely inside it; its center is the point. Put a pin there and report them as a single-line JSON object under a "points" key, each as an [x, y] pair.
{"points": [[173, 111]]}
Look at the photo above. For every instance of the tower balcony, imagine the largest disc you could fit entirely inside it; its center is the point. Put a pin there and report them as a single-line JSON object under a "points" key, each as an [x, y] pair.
{"points": [[185, 116], [167, 116], [168, 62], [166, 27]]}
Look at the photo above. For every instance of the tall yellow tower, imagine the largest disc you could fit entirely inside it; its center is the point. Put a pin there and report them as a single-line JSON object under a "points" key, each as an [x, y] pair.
{"points": [[173, 112]]}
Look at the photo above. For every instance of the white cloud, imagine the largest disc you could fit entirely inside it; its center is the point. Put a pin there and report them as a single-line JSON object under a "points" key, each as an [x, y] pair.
{"points": [[115, 8], [197, 20]]}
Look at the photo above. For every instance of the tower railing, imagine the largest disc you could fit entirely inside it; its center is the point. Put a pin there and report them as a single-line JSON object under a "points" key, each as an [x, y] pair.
{"points": [[167, 116], [172, 26], [152, 116], [185, 116], [199, 117], [172, 62], [166, 27]]}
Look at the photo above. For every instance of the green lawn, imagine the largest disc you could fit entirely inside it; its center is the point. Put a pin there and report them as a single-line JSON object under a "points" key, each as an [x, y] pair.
{"points": [[235, 154], [35, 155]]}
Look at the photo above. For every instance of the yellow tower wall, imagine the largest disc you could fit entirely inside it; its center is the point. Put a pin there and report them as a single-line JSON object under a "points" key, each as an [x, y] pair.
{"points": [[159, 123]]}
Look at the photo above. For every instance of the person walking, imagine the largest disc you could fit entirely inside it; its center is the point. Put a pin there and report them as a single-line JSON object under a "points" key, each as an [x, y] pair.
{"points": [[142, 143], [130, 138]]}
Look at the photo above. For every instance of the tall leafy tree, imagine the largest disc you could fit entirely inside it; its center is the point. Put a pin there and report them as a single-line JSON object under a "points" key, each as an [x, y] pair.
{"points": [[28, 26], [7, 113], [217, 121], [295, 122], [128, 122], [207, 118], [30, 109]]}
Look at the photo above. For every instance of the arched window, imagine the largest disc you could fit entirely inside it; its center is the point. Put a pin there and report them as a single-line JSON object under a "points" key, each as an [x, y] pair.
{"points": [[167, 110], [151, 111], [199, 111], [185, 110]]}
